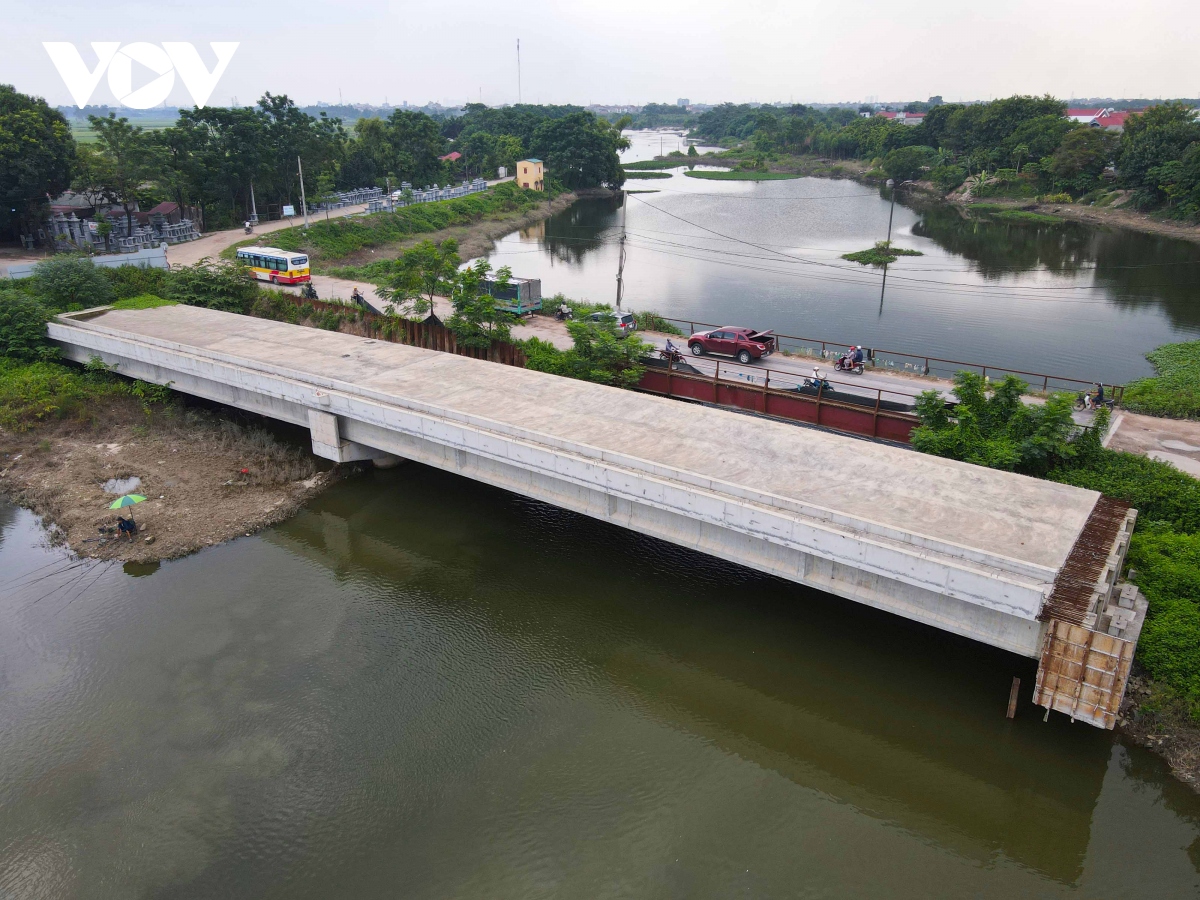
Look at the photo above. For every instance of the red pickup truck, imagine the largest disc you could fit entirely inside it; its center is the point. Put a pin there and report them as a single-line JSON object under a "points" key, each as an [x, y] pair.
{"points": [[745, 344]]}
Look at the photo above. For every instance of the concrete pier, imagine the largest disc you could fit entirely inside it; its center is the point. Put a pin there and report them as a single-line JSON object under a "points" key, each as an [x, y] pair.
{"points": [[970, 550]]}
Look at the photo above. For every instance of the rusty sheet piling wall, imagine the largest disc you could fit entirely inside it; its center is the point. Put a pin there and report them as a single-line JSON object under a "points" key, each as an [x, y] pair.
{"points": [[969, 550]]}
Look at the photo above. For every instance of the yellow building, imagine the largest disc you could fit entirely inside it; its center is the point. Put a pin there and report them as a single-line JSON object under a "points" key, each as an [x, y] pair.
{"points": [[531, 174]]}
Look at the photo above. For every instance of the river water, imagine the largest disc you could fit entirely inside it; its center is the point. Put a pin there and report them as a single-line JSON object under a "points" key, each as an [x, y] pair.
{"points": [[421, 687], [1066, 299]]}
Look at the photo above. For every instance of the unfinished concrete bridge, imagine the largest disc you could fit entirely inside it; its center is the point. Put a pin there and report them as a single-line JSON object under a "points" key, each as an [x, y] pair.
{"points": [[1022, 564]]}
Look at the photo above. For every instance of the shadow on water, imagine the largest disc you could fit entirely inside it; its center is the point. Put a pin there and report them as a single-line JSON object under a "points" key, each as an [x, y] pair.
{"points": [[569, 236], [1137, 271], [900, 721]]}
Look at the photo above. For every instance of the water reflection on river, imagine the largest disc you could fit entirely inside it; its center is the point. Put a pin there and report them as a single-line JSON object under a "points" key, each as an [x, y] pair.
{"points": [[1065, 299], [423, 687]]}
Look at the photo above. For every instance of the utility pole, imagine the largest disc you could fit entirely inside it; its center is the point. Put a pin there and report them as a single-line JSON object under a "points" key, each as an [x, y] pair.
{"points": [[621, 258], [253, 206], [303, 202], [891, 212], [518, 71]]}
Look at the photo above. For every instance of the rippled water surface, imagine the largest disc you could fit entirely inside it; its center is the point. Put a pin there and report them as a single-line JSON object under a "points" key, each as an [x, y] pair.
{"points": [[422, 687], [1065, 299]]}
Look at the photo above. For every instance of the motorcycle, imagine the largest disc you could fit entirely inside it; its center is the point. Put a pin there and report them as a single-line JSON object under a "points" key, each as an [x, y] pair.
{"points": [[563, 316], [1081, 402], [308, 292], [848, 365], [816, 384], [249, 228], [672, 356]]}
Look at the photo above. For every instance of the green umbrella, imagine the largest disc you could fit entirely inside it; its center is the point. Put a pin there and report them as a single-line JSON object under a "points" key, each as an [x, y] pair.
{"points": [[127, 500]]}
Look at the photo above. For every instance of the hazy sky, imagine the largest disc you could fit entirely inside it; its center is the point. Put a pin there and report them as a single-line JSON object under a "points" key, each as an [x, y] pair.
{"points": [[634, 51]]}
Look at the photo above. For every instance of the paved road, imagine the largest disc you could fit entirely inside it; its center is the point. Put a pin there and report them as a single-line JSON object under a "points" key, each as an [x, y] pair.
{"points": [[783, 371]]}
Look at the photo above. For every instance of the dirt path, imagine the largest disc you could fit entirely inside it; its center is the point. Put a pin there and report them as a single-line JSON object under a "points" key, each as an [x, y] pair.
{"points": [[1176, 441]]}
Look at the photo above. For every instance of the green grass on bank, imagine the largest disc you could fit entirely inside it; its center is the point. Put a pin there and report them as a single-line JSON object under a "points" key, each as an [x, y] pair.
{"points": [[1175, 391], [1008, 214], [648, 175], [743, 175], [36, 392], [670, 162], [328, 241]]}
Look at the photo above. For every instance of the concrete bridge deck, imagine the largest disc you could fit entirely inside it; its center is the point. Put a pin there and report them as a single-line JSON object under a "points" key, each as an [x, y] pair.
{"points": [[963, 548]]}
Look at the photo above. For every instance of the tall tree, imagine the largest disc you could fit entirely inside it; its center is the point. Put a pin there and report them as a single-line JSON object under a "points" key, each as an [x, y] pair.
{"points": [[36, 155], [419, 274], [416, 142], [131, 160], [580, 151], [1153, 138]]}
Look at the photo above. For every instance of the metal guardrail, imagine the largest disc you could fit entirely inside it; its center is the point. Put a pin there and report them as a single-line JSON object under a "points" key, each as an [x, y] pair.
{"points": [[928, 365], [854, 412]]}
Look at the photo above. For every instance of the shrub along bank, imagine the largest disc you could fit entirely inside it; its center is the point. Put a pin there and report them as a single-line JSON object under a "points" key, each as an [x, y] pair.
{"points": [[1175, 391], [992, 427]]}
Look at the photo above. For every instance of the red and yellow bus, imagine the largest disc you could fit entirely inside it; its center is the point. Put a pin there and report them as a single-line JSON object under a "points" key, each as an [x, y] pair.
{"points": [[275, 265]]}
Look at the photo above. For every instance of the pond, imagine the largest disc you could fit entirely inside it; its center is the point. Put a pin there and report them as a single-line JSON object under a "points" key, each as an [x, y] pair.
{"points": [[1063, 299], [424, 687]]}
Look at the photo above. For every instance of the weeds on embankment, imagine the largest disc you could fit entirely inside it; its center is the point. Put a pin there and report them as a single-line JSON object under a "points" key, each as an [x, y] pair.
{"points": [[1174, 392]]}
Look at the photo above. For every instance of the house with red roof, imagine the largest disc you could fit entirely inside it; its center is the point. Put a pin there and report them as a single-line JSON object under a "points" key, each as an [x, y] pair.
{"points": [[1115, 120], [1088, 116], [904, 118]]}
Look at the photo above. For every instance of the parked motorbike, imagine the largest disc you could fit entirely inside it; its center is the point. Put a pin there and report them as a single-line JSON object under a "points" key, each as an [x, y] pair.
{"points": [[1081, 402]]}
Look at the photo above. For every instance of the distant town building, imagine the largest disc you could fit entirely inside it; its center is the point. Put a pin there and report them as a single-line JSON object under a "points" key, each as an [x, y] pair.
{"points": [[1107, 118], [531, 174], [903, 118], [684, 102], [1088, 116]]}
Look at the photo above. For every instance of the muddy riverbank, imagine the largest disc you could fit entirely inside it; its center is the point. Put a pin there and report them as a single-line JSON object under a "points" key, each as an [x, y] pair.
{"points": [[207, 478]]}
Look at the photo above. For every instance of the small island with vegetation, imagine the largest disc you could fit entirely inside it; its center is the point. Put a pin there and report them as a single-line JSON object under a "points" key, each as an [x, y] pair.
{"points": [[882, 254]]}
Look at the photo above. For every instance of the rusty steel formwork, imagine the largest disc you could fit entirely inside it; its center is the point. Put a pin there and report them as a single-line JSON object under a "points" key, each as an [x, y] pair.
{"points": [[1083, 673], [1094, 564], [1091, 628]]}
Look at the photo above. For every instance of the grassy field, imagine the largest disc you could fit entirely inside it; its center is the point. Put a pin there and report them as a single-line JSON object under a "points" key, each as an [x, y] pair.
{"points": [[743, 175], [648, 175], [83, 134], [645, 165]]}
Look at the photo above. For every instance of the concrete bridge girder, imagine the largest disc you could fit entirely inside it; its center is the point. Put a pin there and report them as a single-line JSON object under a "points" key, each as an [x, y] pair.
{"points": [[773, 534]]}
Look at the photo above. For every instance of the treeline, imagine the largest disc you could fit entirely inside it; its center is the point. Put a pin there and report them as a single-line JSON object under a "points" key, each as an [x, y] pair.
{"points": [[214, 157], [1017, 146]]}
